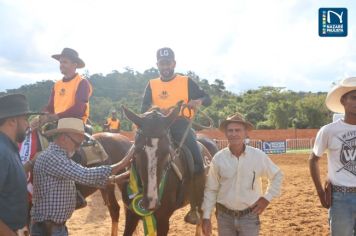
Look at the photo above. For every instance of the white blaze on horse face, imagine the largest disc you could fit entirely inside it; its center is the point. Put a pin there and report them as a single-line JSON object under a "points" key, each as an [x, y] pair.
{"points": [[152, 192]]}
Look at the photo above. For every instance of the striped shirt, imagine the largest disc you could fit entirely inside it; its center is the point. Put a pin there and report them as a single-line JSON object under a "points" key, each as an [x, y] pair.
{"points": [[54, 178]]}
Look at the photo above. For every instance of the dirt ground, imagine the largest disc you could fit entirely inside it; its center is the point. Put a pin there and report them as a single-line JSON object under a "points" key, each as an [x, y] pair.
{"points": [[296, 212]]}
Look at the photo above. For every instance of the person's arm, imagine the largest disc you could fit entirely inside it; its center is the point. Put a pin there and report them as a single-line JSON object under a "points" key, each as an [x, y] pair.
{"points": [[81, 101], [196, 93], [275, 177], [4, 170], [147, 99], [5, 230], [315, 175], [210, 196], [320, 145], [50, 105], [211, 190], [68, 169]]}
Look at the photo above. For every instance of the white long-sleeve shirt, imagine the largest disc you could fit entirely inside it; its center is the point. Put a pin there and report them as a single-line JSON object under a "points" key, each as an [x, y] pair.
{"points": [[236, 183]]}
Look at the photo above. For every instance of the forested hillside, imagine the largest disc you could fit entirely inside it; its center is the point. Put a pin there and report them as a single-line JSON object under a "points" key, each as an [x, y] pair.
{"points": [[265, 107]]}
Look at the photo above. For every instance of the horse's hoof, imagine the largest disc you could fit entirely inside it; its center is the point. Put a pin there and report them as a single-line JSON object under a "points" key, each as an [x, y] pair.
{"points": [[192, 218]]}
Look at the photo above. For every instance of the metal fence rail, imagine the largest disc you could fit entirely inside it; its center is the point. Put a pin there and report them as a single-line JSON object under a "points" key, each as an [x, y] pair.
{"points": [[299, 144], [291, 144]]}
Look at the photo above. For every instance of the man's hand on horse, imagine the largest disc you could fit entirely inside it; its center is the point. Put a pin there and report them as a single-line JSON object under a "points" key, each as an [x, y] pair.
{"points": [[47, 118], [194, 104], [206, 227], [259, 206]]}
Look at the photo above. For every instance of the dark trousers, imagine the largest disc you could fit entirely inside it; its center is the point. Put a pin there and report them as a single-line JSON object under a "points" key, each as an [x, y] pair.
{"points": [[177, 130]]}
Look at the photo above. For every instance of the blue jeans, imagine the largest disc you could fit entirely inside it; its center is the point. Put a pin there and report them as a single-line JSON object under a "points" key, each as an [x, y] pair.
{"points": [[247, 225], [342, 214], [177, 130], [38, 229]]}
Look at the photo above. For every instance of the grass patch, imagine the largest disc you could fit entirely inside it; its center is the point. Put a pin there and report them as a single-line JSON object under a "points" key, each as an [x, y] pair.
{"points": [[300, 151]]}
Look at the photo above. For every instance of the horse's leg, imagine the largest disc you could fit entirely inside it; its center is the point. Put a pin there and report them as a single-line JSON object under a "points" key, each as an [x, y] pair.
{"points": [[108, 195], [162, 226], [130, 222], [199, 230]]}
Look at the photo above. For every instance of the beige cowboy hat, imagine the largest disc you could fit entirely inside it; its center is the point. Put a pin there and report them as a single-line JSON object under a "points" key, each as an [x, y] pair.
{"points": [[72, 55], [334, 96], [68, 125], [235, 118]]}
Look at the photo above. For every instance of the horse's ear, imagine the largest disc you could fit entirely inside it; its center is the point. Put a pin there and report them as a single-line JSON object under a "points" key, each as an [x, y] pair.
{"points": [[173, 114], [137, 120]]}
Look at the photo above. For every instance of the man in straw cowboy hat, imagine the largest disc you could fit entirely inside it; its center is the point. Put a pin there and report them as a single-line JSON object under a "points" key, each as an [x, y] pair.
{"points": [[338, 139], [70, 95], [14, 112], [234, 183], [55, 174]]}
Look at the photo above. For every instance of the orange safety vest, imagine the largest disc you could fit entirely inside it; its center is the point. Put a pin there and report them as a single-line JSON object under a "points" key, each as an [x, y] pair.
{"points": [[113, 124], [166, 94], [64, 95]]}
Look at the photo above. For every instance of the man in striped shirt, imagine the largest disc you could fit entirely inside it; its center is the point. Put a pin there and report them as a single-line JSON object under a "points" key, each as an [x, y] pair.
{"points": [[55, 175]]}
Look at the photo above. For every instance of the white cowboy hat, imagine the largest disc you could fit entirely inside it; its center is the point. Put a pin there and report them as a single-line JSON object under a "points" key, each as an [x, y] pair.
{"points": [[334, 96], [68, 125]]}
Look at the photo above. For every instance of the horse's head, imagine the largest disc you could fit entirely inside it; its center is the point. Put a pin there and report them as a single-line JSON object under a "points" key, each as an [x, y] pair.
{"points": [[152, 148]]}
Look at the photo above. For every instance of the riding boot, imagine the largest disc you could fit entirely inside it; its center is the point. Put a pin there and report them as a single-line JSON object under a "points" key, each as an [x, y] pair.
{"points": [[196, 199]]}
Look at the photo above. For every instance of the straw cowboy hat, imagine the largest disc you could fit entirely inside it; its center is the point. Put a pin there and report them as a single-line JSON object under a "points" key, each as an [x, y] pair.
{"points": [[72, 55], [15, 105], [334, 96], [68, 125], [235, 118]]}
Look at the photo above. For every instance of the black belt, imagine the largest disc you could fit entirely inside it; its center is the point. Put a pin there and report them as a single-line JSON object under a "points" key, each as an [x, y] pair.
{"points": [[238, 214], [343, 189]]}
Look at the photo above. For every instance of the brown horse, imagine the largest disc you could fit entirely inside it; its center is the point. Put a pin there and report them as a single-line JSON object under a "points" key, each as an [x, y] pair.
{"points": [[153, 159], [116, 146]]}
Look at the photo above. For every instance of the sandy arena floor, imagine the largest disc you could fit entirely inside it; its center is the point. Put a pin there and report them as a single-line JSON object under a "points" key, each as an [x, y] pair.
{"points": [[296, 212]]}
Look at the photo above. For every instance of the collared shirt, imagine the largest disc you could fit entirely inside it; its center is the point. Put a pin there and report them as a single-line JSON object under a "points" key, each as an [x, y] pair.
{"points": [[13, 190], [54, 177], [338, 140], [236, 183]]}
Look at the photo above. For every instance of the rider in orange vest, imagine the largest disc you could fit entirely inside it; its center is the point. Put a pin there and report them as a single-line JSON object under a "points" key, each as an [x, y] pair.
{"points": [[113, 123], [70, 95], [164, 92]]}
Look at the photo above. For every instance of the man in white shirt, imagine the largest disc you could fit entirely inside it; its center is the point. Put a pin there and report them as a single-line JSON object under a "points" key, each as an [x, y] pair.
{"points": [[234, 183], [338, 139]]}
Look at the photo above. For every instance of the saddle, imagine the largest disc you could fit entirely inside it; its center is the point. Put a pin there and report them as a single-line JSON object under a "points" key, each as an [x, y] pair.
{"points": [[92, 152]]}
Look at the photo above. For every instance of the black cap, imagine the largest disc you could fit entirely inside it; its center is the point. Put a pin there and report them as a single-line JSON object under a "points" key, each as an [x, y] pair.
{"points": [[14, 105], [165, 54]]}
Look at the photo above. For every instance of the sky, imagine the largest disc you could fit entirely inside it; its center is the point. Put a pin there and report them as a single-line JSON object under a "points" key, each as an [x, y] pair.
{"points": [[245, 43]]}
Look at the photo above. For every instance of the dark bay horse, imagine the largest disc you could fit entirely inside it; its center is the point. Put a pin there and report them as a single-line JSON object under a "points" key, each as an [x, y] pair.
{"points": [[116, 146], [154, 158]]}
